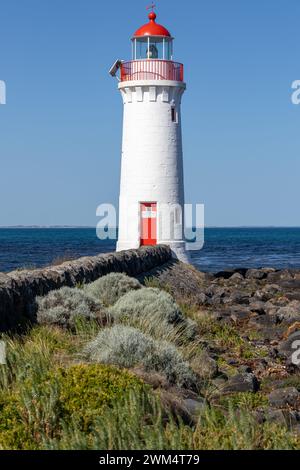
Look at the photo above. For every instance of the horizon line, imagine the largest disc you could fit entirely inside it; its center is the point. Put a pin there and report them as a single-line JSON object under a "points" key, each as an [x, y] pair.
{"points": [[94, 227]]}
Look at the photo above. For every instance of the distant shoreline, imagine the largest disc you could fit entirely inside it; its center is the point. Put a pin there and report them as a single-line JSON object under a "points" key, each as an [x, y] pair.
{"points": [[94, 227]]}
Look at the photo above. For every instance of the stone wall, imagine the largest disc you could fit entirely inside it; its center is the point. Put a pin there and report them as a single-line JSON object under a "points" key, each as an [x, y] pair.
{"points": [[18, 289]]}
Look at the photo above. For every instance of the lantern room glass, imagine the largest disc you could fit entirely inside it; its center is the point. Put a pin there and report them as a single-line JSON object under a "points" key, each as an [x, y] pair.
{"points": [[152, 47]]}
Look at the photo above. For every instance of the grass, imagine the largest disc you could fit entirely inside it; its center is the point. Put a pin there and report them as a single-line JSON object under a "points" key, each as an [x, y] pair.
{"points": [[53, 397], [48, 400], [243, 401], [156, 284]]}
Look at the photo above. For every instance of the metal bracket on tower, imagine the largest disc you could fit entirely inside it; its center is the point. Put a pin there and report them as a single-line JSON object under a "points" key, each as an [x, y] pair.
{"points": [[114, 69]]}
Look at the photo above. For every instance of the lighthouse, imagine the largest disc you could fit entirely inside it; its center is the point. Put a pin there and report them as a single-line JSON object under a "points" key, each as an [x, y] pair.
{"points": [[151, 204]]}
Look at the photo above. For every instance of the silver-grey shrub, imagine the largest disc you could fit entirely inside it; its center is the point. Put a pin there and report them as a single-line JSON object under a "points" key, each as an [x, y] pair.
{"points": [[109, 289], [125, 346], [148, 303], [66, 306]]}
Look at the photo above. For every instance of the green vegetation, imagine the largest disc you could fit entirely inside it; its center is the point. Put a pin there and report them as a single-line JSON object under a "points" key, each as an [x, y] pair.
{"points": [[148, 302], [75, 380], [147, 308], [66, 306], [246, 401], [128, 347], [109, 289]]}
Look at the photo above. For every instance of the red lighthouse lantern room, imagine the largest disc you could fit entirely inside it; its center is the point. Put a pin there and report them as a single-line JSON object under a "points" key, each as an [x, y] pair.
{"points": [[152, 55], [152, 41]]}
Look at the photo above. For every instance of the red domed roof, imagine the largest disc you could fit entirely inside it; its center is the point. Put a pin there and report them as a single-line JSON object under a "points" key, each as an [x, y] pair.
{"points": [[152, 28]]}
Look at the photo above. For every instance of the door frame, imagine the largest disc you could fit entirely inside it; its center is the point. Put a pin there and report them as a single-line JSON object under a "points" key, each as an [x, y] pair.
{"points": [[147, 203]]}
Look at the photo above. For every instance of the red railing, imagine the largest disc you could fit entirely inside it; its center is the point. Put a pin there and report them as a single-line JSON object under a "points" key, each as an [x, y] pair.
{"points": [[151, 70]]}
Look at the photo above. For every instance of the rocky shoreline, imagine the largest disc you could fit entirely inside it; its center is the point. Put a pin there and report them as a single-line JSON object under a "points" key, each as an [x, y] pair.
{"points": [[251, 333]]}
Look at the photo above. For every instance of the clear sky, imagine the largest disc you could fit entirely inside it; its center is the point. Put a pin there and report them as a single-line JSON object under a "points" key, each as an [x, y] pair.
{"points": [[60, 131]]}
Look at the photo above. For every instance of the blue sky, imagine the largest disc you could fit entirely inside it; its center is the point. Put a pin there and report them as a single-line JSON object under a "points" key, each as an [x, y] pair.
{"points": [[60, 131]]}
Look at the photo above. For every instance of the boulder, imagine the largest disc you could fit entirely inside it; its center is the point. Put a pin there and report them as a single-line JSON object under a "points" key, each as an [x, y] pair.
{"points": [[258, 307], [283, 397], [290, 312], [256, 274], [195, 408], [205, 366], [243, 382], [282, 417]]}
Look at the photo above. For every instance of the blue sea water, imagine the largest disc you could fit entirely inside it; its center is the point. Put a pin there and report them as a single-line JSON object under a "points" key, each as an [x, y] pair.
{"points": [[224, 247]]}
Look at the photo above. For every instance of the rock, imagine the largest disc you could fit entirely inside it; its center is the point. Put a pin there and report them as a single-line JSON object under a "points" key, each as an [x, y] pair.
{"points": [[258, 307], [257, 274], [236, 277], [243, 382], [195, 408], [225, 274], [285, 396], [239, 314], [279, 276], [265, 322], [282, 417], [245, 369], [271, 289], [237, 297], [206, 366], [289, 313], [260, 365], [202, 299], [220, 382], [216, 291], [229, 273]]}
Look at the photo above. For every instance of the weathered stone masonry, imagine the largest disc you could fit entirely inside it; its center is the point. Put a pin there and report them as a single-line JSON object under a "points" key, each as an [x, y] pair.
{"points": [[19, 289]]}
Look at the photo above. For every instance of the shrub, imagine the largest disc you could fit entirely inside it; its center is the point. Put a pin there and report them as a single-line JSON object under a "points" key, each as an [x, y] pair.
{"points": [[85, 390], [66, 307], [155, 313], [128, 347], [147, 302], [109, 289], [34, 411]]}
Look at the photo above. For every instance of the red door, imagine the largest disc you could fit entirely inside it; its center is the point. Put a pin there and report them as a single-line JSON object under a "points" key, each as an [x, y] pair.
{"points": [[148, 223]]}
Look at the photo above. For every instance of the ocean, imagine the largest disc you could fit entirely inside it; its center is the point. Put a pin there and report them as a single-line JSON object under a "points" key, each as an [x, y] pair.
{"points": [[224, 247]]}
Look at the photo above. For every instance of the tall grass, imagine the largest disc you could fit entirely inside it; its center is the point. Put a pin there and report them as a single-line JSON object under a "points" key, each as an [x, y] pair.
{"points": [[33, 397], [140, 423]]}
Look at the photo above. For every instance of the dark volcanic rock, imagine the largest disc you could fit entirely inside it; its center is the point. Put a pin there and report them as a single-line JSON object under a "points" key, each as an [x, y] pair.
{"points": [[258, 307], [285, 396], [207, 367], [225, 274], [228, 273], [237, 277], [238, 297], [195, 407], [282, 417], [290, 312], [256, 274], [244, 382]]}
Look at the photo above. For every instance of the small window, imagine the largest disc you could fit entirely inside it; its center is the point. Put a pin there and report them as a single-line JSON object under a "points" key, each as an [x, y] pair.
{"points": [[174, 114]]}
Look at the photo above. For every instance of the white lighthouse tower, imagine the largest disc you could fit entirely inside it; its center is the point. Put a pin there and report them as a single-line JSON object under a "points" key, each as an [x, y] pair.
{"points": [[151, 207]]}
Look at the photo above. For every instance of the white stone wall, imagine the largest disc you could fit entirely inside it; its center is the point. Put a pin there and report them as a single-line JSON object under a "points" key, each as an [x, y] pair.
{"points": [[152, 161]]}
